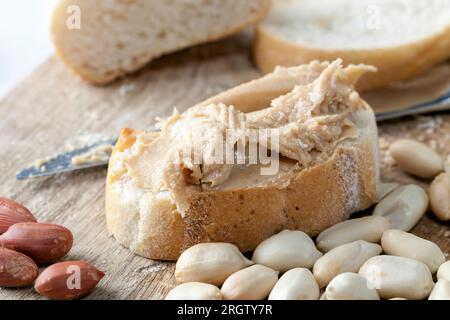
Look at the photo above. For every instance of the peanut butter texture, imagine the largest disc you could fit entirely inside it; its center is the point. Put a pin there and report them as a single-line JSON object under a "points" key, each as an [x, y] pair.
{"points": [[310, 121]]}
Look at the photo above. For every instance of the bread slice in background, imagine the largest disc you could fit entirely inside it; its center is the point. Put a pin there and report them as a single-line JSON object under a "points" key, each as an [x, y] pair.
{"points": [[120, 36], [151, 220], [402, 38]]}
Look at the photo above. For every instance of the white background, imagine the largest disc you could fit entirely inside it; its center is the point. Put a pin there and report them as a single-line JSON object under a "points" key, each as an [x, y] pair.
{"points": [[24, 39]]}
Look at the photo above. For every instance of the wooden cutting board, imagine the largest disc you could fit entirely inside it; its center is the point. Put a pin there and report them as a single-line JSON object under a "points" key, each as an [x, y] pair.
{"points": [[52, 106]]}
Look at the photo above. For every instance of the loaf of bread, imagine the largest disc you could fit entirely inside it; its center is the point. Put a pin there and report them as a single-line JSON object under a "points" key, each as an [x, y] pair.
{"points": [[401, 38], [162, 198], [102, 40]]}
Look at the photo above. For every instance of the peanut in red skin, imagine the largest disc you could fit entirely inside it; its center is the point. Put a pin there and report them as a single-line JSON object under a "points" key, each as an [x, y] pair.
{"points": [[16, 269], [11, 213], [44, 243], [53, 281]]}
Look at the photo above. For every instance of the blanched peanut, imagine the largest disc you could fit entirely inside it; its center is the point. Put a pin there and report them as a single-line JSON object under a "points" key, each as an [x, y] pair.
{"points": [[400, 243], [210, 262], [287, 250], [444, 271], [296, 284], [404, 207], [386, 188], [348, 257], [350, 286], [367, 228], [440, 196], [252, 283], [416, 158], [194, 291], [398, 277], [441, 290]]}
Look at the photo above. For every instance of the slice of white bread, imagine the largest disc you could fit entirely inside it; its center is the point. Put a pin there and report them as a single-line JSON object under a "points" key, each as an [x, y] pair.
{"points": [[402, 38], [329, 167], [120, 36]]}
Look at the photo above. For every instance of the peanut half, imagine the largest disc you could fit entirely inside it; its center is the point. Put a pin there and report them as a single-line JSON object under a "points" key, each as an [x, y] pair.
{"points": [[252, 283], [367, 228], [404, 207], [440, 196], [350, 286], [416, 158], [287, 250], [403, 244], [441, 290], [444, 271], [296, 284], [210, 263], [194, 291], [398, 277], [348, 257], [16, 269]]}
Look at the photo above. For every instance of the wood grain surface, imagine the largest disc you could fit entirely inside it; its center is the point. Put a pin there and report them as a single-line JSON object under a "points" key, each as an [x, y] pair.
{"points": [[52, 107]]}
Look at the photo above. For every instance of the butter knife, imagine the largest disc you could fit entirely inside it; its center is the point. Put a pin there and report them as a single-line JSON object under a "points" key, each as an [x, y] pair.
{"points": [[65, 162], [440, 104]]}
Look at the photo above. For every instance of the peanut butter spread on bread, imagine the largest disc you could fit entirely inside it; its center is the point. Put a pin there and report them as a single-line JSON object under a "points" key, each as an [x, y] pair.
{"points": [[309, 122]]}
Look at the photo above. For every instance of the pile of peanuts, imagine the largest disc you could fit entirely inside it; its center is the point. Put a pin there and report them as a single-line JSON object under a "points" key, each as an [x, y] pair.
{"points": [[25, 244], [368, 258]]}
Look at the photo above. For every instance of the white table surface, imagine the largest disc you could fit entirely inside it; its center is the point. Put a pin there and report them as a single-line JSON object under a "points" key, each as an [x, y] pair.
{"points": [[24, 39]]}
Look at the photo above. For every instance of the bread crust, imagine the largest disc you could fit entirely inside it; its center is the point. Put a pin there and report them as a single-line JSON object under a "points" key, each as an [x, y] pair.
{"points": [[394, 63], [316, 198], [58, 26]]}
